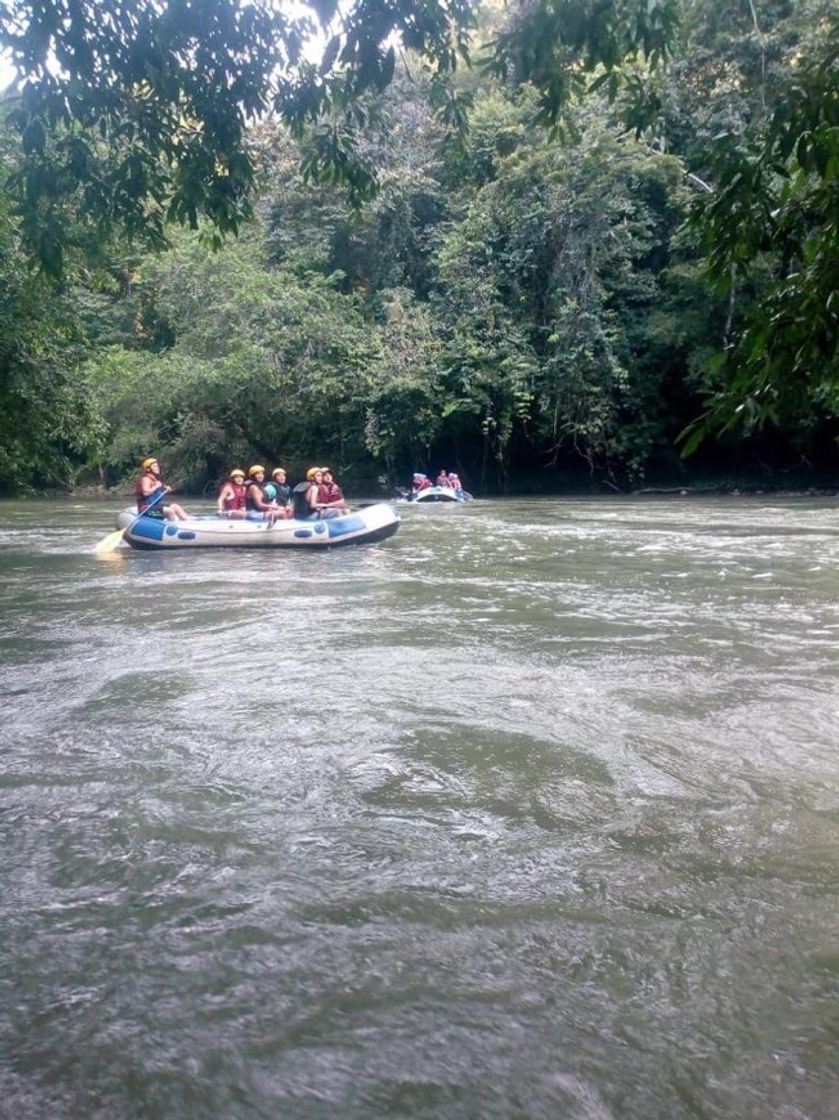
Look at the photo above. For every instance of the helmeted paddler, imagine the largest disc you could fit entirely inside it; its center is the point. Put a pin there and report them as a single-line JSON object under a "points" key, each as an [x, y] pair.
{"points": [[150, 491]]}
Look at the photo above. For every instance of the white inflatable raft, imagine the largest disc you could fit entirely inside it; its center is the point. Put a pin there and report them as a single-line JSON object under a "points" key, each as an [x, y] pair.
{"points": [[363, 526], [439, 494]]}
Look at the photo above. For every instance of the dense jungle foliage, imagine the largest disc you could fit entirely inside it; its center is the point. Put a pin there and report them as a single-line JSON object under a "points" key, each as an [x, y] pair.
{"points": [[535, 271]]}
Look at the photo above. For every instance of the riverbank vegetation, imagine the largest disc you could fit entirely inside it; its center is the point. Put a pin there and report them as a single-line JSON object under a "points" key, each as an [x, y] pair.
{"points": [[564, 261]]}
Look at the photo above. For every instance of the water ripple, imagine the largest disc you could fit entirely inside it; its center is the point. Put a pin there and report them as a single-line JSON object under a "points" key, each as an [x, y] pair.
{"points": [[529, 812]]}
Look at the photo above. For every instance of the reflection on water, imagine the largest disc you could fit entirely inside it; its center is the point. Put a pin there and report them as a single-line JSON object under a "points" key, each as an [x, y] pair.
{"points": [[530, 811]]}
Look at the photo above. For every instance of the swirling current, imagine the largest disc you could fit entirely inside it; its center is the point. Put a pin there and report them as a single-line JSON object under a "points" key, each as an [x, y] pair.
{"points": [[529, 811]]}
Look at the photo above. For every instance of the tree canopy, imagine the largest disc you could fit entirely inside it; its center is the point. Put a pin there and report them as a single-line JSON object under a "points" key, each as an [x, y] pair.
{"points": [[134, 113], [771, 228], [567, 253]]}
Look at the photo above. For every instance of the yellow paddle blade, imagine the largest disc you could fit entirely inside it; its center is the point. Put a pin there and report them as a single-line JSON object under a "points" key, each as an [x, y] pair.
{"points": [[109, 543]]}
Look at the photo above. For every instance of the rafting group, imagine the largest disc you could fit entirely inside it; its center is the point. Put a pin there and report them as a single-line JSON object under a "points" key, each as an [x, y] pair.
{"points": [[249, 497], [446, 480]]}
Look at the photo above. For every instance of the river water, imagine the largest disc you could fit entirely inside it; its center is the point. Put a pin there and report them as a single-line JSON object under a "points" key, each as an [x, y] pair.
{"points": [[530, 811]]}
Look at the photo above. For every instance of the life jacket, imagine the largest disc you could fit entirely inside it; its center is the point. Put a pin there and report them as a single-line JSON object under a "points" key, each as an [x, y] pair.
{"points": [[330, 492], [444, 482], [423, 484], [283, 493], [250, 489], [238, 499], [146, 500], [299, 495]]}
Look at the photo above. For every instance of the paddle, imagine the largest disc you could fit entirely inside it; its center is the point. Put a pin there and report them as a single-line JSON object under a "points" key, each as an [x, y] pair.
{"points": [[114, 540]]}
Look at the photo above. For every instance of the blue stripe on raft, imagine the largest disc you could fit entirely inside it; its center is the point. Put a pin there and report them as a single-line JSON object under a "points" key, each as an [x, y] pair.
{"points": [[344, 525], [185, 535], [149, 527], [302, 532]]}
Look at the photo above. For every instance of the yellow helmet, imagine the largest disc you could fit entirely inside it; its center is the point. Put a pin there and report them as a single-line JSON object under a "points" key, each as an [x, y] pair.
{"points": [[255, 469], [277, 470], [237, 472], [146, 463], [312, 471]]}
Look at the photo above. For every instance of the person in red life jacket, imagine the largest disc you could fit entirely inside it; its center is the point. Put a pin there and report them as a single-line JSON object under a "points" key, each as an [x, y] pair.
{"points": [[305, 495], [149, 490], [455, 483], [231, 498], [257, 505], [329, 493], [443, 480], [420, 482]]}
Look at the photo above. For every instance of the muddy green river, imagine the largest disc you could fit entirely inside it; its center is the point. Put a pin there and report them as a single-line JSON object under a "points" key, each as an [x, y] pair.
{"points": [[531, 811]]}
